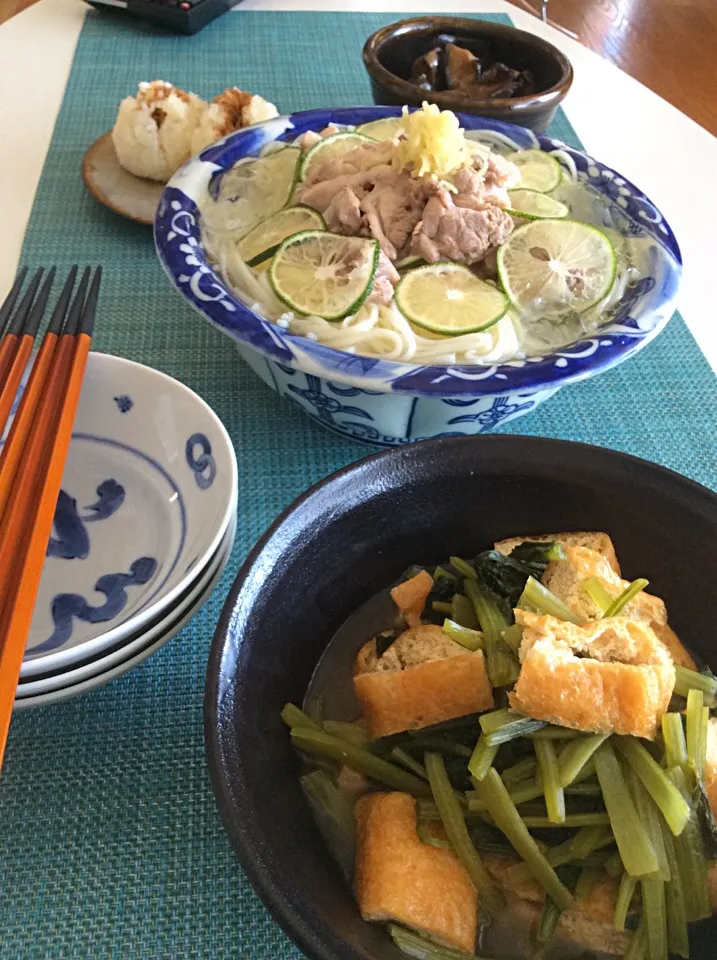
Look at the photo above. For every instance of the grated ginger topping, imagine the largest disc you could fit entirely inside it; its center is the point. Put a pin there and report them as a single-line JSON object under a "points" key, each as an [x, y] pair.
{"points": [[433, 145]]}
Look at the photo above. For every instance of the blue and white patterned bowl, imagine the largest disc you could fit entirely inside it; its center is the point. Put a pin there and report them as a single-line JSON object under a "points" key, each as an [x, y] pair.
{"points": [[148, 493], [385, 402]]}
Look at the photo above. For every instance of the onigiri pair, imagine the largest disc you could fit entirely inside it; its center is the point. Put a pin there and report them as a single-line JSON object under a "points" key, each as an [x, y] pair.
{"points": [[162, 126]]}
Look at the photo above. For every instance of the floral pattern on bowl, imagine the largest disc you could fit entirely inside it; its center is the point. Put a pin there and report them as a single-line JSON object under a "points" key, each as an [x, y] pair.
{"points": [[393, 402]]}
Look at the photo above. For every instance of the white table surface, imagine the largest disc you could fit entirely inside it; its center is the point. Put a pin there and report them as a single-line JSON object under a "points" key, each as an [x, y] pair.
{"points": [[670, 157]]}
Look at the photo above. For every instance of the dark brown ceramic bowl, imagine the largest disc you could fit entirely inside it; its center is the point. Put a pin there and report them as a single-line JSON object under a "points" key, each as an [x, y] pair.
{"points": [[389, 53], [342, 542]]}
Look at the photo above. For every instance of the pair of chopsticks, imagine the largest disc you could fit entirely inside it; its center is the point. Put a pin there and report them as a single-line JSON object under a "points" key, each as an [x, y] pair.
{"points": [[33, 456]]}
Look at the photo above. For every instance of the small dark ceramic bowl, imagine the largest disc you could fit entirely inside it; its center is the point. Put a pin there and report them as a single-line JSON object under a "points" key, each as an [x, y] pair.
{"points": [[342, 542], [389, 53]]}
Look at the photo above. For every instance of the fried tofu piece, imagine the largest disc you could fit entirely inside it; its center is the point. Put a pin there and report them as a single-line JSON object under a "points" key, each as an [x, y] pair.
{"points": [[399, 878], [607, 676], [423, 678], [592, 555], [669, 638], [599, 542], [410, 597], [590, 924], [565, 579]]}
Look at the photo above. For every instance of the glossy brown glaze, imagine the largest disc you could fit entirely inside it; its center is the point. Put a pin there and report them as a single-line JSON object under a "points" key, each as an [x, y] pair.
{"points": [[389, 55], [667, 46]]}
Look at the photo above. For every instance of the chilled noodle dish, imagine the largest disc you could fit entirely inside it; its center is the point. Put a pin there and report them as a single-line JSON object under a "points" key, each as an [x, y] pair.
{"points": [[407, 239], [513, 757]]}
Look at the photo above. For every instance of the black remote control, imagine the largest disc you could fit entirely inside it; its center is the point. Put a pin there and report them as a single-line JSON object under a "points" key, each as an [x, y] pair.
{"points": [[183, 16]]}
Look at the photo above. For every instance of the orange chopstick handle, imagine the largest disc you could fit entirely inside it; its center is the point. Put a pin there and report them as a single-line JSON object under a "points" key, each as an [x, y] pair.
{"points": [[22, 423], [16, 616], [7, 351], [21, 495], [14, 376]]}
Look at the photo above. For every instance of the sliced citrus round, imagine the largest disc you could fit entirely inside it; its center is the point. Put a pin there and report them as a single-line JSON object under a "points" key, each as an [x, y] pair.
{"points": [[324, 274], [531, 205], [551, 266], [329, 149], [448, 299], [412, 260], [251, 192], [538, 170], [384, 129], [263, 241]]}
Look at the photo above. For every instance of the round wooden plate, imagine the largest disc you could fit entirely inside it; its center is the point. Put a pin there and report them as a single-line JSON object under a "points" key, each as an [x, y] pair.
{"points": [[116, 188]]}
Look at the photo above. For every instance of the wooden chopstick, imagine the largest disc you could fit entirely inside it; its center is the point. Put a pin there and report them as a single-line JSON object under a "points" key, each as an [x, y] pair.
{"points": [[27, 523], [9, 345], [19, 432], [24, 327]]}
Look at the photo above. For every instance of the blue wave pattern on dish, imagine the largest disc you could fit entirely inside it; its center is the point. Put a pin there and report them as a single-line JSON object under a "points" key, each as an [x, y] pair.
{"points": [[72, 541], [202, 464], [639, 316], [67, 606]]}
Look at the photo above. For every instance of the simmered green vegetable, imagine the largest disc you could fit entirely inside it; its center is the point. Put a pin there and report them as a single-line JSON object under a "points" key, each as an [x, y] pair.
{"points": [[522, 770], [575, 755], [493, 793], [539, 599], [636, 850], [347, 731], [407, 761], [697, 722], [598, 594], [416, 946], [500, 726], [628, 594], [457, 832], [673, 733], [624, 899], [668, 798], [320, 744], [550, 776], [482, 759], [677, 937], [470, 639], [502, 664], [462, 611], [293, 717], [655, 914], [650, 816], [552, 911], [463, 567], [691, 859], [686, 680]]}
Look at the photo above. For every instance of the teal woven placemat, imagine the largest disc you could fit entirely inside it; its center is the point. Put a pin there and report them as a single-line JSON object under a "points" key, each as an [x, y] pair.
{"points": [[111, 845]]}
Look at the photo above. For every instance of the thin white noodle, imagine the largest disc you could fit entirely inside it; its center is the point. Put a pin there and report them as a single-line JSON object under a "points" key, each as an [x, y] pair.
{"points": [[489, 137], [564, 158]]}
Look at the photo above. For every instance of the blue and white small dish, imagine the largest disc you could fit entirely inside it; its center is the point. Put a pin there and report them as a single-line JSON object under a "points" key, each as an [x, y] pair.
{"points": [[148, 493], [99, 670], [384, 402]]}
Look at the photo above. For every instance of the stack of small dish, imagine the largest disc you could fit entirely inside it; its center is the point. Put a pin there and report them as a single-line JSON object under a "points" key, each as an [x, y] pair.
{"points": [[143, 529]]}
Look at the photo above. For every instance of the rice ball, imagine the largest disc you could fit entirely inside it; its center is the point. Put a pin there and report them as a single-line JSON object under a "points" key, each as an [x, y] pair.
{"points": [[230, 111], [152, 135]]}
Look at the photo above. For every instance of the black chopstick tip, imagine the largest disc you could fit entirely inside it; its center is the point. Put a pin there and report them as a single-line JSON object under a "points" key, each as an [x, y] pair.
{"points": [[87, 320], [22, 315], [38, 308], [11, 299], [60, 312]]}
